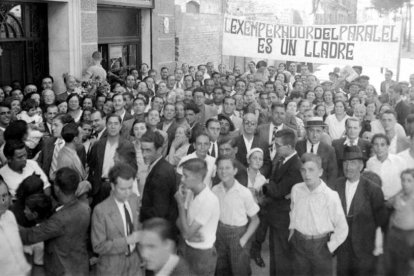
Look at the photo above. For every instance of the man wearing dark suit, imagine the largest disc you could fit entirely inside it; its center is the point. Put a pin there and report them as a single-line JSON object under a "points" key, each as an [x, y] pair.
{"points": [[158, 195], [285, 174], [65, 233], [169, 124], [352, 130], [51, 146], [158, 249], [115, 224], [402, 109], [119, 108], [101, 159], [268, 131], [249, 140], [313, 144], [363, 204], [51, 112]]}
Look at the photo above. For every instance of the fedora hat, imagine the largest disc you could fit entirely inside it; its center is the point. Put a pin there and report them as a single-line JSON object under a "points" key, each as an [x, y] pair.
{"points": [[315, 122], [352, 153]]}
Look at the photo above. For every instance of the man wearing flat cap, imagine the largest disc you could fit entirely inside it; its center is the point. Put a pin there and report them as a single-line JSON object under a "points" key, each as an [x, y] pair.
{"points": [[313, 144], [364, 206]]}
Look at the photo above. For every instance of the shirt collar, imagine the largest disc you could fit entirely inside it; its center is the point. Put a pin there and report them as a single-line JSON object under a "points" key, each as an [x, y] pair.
{"points": [[169, 266], [348, 182], [288, 157], [310, 144], [348, 141], [320, 188], [154, 163]]}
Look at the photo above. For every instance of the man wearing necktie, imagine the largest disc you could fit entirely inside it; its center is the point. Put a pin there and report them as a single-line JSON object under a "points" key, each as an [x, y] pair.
{"points": [[115, 225], [285, 174], [213, 132], [313, 144], [364, 206]]}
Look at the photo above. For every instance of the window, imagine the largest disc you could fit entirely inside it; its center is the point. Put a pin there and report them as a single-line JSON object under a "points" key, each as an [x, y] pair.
{"points": [[192, 7]]}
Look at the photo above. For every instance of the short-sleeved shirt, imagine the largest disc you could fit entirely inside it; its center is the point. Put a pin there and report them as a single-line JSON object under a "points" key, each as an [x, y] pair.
{"points": [[236, 204], [205, 210], [14, 179]]}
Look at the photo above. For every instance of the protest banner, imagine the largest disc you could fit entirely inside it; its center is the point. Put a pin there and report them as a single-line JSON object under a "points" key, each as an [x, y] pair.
{"points": [[362, 44]]}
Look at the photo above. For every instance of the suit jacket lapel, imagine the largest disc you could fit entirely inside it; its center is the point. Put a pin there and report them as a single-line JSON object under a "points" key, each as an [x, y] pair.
{"points": [[116, 216], [341, 192], [101, 153], [358, 200]]}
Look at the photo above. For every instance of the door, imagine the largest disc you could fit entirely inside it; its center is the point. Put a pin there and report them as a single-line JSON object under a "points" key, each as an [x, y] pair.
{"points": [[23, 42]]}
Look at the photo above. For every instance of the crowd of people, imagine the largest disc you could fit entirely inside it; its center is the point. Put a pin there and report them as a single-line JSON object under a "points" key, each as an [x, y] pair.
{"points": [[186, 171]]}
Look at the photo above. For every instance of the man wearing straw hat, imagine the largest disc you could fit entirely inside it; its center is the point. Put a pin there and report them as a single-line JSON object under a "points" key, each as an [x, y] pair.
{"points": [[364, 207], [313, 144]]}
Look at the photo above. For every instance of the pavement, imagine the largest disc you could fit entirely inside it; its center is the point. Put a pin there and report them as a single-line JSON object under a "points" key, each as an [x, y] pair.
{"points": [[259, 271]]}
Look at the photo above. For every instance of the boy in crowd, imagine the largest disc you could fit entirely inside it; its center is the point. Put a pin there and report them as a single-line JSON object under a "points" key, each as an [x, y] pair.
{"points": [[238, 221]]}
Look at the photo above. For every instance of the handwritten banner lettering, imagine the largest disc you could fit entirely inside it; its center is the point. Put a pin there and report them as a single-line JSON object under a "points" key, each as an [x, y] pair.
{"points": [[370, 45]]}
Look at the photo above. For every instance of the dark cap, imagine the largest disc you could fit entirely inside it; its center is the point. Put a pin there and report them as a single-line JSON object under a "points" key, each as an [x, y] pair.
{"points": [[352, 153]]}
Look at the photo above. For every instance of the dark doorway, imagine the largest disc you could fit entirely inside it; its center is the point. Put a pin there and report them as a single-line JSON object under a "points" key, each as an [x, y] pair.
{"points": [[23, 42]]}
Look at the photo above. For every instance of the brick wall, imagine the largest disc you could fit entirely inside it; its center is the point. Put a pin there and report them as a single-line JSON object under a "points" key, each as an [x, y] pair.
{"points": [[199, 38]]}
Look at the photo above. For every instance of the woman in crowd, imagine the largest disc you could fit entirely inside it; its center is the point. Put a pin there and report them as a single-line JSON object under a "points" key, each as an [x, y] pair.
{"points": [[320, 111], [62, 106], [255, 180], [336, 121], [179, 146], [139, 127], [353, 101], [74, 107], [180, 115], [310, 96], [370, 111], [360, 112], [318, 94]]}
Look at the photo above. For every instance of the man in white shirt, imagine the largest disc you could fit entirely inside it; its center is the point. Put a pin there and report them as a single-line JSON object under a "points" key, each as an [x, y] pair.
{"points": [[408, 154], [238, 222], [363, 204], [317, 221], [198, 223], [388, 166], [18, 168], [389, 121], [201, 145]]}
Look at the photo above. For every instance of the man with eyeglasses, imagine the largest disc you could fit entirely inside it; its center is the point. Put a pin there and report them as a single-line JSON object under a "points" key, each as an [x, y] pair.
{"points": [[5, 117], [249, 140]]}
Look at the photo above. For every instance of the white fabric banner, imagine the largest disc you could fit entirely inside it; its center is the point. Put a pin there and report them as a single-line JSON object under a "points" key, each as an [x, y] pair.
{"points": [[354, 44]]}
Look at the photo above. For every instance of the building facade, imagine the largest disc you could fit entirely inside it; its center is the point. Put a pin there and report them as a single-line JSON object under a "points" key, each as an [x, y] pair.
{"points": [[59, 36]]}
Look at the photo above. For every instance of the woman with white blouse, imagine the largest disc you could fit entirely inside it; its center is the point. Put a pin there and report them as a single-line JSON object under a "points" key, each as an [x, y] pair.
{"points": [[336, 121]]}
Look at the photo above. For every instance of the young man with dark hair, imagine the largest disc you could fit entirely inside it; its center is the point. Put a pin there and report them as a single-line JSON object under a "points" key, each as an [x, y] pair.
{"points": [[317, 221], [157, 247], [18, 167], [101, 158], [198, 218], [285, 174], [115, 223], [160, 186], [238, 221], [65, 233]]}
